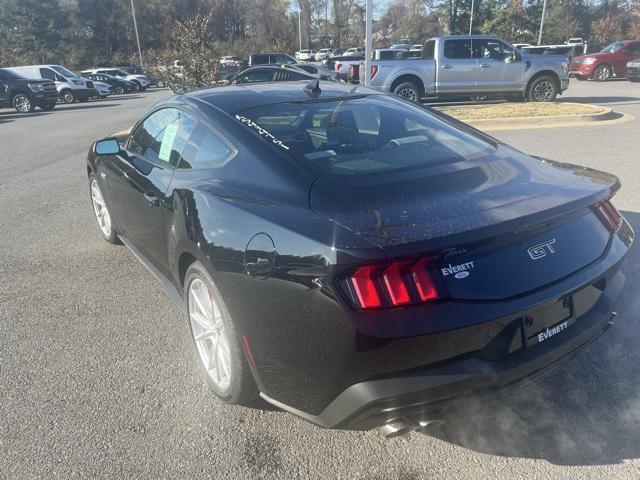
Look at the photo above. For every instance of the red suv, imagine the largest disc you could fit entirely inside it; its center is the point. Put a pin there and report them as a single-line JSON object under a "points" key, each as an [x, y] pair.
{"points": [[609, 62]]}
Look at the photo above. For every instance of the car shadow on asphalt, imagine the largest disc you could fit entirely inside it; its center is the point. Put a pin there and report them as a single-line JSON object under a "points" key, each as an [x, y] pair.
{"points": [[584, 412]]}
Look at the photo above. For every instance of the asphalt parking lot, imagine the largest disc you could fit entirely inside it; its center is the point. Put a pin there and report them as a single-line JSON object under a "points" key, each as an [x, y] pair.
{"points": [[98, 379]]}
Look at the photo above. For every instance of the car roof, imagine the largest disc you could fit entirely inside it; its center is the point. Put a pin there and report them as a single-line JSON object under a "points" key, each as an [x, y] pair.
{"points": [[235, 98]]}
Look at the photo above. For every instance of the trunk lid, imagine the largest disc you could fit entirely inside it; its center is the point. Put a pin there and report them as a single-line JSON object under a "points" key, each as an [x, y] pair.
{"points": [[500, 226]]}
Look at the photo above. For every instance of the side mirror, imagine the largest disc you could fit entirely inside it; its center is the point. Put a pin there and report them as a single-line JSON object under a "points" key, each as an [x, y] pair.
{"points": [[516, 56], [108, 146]]}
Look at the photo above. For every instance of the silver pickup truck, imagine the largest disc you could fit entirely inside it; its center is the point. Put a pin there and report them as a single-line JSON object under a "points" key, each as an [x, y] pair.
{"points": [[470, 66]]}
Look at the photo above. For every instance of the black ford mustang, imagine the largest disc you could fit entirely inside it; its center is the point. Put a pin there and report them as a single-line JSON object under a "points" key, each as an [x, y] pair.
{"points": [[355, 259]]}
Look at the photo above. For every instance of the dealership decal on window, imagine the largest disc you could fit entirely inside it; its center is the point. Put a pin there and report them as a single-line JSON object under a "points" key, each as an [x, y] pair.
{"points": [[261, 131]]}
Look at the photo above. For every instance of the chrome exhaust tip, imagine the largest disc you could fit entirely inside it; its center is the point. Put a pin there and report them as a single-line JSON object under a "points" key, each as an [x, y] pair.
{"points": [[396, 428], [403, 426]]}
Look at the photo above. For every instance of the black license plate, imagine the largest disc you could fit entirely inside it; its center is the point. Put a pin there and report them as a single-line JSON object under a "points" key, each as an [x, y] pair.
{"points": [[548, 321]]}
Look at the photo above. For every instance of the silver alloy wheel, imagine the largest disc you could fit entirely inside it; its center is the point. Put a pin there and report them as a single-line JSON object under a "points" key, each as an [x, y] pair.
{"points": [[408, 93], [209, 334], [118, 90], [100, 209], [543, 91], [68, 97], [22, 103], [602, 73]]}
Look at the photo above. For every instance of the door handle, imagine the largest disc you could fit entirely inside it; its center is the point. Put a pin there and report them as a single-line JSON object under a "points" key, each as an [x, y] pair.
{"points": [[485, 65], [150, 200], [446, 66]]}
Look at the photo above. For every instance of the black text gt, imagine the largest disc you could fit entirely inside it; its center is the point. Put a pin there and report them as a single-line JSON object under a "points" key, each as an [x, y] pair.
{"points": [[356, 259]]}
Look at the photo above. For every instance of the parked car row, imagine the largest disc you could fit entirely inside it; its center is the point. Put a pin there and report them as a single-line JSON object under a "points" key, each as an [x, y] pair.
{"points": [[26, 87]]}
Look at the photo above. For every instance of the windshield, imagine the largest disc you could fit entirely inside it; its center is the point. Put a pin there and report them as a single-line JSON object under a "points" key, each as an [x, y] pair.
{"points": [[9, 75], [63, 71], [613, 48], [362, 135]]}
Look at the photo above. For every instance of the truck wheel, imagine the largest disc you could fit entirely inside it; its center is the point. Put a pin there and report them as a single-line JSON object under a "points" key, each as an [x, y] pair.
{"points": [[543, 89], [22, 103], [67, 96], [602, 73], [408, 91]]}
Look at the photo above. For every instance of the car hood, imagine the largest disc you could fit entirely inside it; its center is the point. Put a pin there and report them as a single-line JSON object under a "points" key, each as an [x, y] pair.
{"points": [[426, 210], [594, 55]]}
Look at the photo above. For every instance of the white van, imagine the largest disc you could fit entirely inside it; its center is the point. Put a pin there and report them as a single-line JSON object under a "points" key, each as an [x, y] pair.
{"points": [[70, 87]]}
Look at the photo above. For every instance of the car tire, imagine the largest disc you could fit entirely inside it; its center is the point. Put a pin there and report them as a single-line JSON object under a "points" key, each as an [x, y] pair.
{"points": [[602, 73], [22, 103], [67, 96], [138, 86], [48, 107], [543, 89], [214, 335], [408, 91], [118, 90], [101, 212]]}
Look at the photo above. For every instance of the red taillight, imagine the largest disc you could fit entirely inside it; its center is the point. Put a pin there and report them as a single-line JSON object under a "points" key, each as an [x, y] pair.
{"points": [[424, 282], [338, 66], [608, 215], [394, 281], [394, 284], [374, 71], [363, 280]]}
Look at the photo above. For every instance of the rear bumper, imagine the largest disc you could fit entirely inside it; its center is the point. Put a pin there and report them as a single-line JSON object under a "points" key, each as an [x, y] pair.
{"points": [[345, 379], [376, 402]]}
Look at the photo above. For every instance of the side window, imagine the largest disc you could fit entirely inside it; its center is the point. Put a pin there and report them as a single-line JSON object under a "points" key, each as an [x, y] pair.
{"points": [[457, 49], [428, 52], [48, 74], [634, 48], [205, 149], [282, 59], [262, 75], [285, 75], [162, 137], [488, 49], [259, 59]]}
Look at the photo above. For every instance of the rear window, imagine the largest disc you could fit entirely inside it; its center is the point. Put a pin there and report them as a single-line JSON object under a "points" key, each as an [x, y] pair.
{"points": [[362, 135]]}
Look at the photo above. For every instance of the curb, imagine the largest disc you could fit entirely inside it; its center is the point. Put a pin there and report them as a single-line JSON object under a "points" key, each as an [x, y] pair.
{"points": [[549, 121]]}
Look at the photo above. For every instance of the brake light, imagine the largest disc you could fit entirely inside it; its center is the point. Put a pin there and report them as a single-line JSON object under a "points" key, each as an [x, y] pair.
{"points": [[608, 215], [374, 71], [388, 285], [338, 66], [363, 281]]}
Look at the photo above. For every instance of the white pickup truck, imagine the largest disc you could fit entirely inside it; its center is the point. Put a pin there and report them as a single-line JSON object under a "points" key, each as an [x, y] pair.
{"points": [[470, 66]]}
